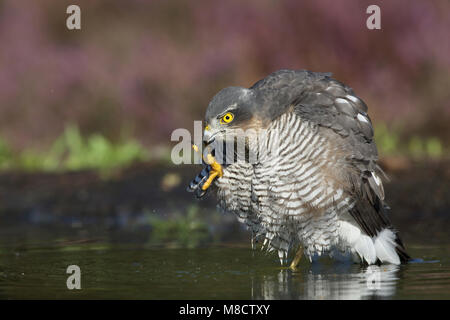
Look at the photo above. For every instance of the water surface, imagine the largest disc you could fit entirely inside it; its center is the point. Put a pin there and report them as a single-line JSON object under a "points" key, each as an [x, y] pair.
{"points": [[111, 271]]}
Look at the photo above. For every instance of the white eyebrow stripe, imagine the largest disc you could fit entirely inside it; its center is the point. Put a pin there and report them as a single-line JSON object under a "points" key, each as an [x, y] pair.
{"points": [[230, 108]]}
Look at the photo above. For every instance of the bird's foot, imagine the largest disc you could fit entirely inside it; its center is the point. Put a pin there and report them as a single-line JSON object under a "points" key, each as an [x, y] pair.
{"points": [[216, 171], [203, 181]]}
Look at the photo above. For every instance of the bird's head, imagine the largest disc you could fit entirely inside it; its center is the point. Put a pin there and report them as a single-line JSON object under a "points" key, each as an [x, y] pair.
{"points": [[229, 113]]}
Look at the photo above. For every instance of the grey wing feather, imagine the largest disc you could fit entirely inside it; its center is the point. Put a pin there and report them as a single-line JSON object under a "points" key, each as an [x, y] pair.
{"points": [[346, 115], [276, 92], [338, 112], [333, 106], [326, 102]]}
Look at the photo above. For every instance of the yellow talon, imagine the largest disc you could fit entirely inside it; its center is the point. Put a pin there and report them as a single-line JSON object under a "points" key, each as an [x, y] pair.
{"points": [[208, 182], [216, 168]]}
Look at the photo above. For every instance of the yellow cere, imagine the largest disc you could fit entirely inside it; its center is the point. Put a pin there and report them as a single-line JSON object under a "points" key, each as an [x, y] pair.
{"points": [[227, 118]]}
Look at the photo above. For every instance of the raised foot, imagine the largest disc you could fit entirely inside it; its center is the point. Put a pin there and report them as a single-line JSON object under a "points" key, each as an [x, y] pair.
{"points": [[215, 171]]}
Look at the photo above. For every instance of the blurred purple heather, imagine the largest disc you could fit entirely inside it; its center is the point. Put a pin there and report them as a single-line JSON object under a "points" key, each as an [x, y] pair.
{"points": [[153, 66]]}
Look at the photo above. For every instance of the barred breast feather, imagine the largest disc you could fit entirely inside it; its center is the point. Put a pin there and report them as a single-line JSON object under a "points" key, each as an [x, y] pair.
{"points": [[316, 182], [287, 198]]}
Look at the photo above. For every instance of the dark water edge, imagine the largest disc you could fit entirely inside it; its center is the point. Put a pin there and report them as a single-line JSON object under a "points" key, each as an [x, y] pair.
{"points": [[152, 198]]}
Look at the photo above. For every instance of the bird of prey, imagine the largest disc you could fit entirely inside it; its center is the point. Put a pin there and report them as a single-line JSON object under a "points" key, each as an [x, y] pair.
{"points": [[315, 185]]}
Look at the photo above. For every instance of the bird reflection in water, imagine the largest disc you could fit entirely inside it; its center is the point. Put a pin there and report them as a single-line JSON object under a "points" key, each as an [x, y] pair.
{"points": [[343, 281]]}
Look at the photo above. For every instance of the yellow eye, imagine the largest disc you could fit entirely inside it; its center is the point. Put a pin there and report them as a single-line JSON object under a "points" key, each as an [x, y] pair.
{"points": [[227, 118]]}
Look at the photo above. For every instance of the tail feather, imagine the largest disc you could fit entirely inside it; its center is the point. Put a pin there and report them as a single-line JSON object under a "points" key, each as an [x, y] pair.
{"points": [[364, 246], [385, 247]]}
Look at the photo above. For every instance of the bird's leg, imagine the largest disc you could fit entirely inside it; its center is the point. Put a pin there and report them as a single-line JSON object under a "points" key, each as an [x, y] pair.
{"points": [[297, 258]]}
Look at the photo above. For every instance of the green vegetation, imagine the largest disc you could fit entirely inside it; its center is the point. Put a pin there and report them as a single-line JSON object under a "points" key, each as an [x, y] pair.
{"points": [[391, 142], [72, 151], [183, 230]]}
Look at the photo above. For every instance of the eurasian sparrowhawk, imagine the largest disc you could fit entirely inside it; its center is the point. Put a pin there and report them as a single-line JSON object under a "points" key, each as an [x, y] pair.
{"points": [[315, 182]]}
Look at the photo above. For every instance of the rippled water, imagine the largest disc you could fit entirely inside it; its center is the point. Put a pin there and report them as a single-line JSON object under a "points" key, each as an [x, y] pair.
{"points": [[140, 272]]}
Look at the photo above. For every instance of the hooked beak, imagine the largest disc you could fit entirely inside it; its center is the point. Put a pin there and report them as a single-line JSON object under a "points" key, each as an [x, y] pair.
{"points": [[208, 135]]}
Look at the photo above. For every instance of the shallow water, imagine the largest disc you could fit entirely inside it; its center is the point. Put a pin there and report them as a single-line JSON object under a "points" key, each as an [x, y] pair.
{"points": [[219, 272]]}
